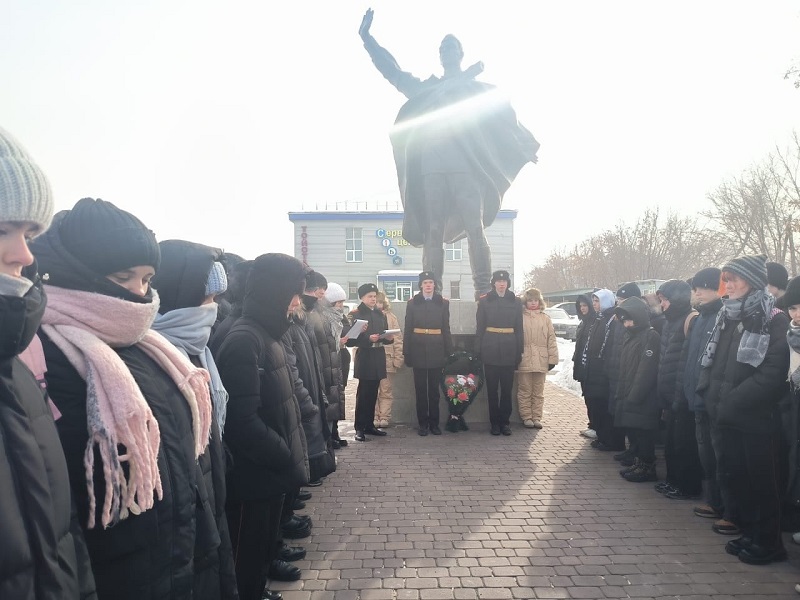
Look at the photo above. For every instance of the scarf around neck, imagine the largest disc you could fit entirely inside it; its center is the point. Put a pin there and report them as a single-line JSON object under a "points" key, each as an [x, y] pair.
{"points": [[754, 344], [603, 314], [189, 330], [87, 327], [334, 317], [793, 338], [14, 286]]}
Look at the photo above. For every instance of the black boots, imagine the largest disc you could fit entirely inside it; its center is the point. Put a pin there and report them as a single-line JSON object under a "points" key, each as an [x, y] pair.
{"points": [[641, 472]]}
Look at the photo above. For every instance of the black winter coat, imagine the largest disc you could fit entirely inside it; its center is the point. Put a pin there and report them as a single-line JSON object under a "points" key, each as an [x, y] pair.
{"points": [[499, 349], [790, 425], [670, 364], [699, 333], [42, 552], [578, 372], [739, 396], [614, 362], [331, 363], [263, 426], [214, 570], [150, 555], [636, 405], [370, 359], [595, 383], [303, 359], [422, 350], [180, 282]]}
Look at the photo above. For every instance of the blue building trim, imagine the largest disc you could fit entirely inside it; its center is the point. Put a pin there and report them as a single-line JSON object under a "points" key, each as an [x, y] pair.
{"points": [[370, 216]]}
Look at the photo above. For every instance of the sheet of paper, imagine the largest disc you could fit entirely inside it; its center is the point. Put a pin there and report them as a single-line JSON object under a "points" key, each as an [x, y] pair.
{"points": [[356, 329], [389, 332]]}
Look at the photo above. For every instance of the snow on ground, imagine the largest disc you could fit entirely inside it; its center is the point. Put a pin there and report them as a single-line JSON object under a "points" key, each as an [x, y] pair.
{"points": [[561, 375]]}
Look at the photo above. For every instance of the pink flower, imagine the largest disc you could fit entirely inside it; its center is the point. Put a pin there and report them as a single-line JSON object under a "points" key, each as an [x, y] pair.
{"points": [[463, 396], [451, 393], [450, 380]]}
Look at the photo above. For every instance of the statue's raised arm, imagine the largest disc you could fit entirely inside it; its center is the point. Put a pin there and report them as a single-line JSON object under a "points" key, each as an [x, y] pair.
{"points": [[457, 147], [406, 83]]}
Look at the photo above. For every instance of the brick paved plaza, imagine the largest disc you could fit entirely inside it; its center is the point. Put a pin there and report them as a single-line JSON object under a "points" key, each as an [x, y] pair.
{"points": [[536, 515]]}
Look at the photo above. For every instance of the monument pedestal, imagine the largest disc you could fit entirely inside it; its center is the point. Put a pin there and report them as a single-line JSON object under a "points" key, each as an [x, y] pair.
{"points": [[462, 327]]}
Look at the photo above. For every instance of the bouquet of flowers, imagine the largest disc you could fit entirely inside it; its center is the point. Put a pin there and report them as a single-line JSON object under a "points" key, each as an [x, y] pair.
{"points": [[459, 389]]}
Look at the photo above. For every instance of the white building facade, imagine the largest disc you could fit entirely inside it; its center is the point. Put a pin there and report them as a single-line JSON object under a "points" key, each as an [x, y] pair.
{"points": [[357, 247]]}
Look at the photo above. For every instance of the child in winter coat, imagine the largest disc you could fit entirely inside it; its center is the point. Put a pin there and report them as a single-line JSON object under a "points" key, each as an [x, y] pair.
{"points": [[636, 409], [742, 381], [539, 355], [43, 553], [135, 413]]}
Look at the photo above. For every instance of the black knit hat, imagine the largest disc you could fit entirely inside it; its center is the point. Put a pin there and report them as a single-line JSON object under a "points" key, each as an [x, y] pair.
{"points": [[107, 239], [792, 295], [677, 292], [426, 276], [752, 268], [707, 279], [777, 275], [365, 289], [314, 281], [500, 276], [629, 290]]}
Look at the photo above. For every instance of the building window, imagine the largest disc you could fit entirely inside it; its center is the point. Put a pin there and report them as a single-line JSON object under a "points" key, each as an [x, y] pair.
{"points": [[455, 290], [354, 245], [403, 291], [453, 251], [352, 290]]}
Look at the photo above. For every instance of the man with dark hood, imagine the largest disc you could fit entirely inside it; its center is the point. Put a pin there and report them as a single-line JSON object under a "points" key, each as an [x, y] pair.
{"points": [[457, 148], [263, 426], [684, 471]]}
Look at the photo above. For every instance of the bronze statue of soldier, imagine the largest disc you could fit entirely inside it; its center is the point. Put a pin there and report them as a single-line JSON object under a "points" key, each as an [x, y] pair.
{"points": [[457, 148]]}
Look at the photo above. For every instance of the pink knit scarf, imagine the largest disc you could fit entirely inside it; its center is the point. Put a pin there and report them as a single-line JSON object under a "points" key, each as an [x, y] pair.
{"points": [[86, 327]]}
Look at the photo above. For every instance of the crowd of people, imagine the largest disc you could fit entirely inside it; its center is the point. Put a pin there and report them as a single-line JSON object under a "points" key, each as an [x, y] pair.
{"points": [[709, 367], [166, 407]]}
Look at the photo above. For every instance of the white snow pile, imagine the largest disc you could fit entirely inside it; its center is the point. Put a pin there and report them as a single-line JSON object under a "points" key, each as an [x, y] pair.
{"points": [[561, 375]]}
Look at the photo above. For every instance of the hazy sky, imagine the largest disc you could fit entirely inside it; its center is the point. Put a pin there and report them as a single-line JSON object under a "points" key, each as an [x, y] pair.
{"points": [[212, 120]]}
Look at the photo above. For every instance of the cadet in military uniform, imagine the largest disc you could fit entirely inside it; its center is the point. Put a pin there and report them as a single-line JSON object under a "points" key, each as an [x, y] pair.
{"points": [[499, 341], [427, 345]]}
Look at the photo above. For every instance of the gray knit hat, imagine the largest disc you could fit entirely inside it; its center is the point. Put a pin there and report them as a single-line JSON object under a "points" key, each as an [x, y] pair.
{"points": [[752, 268], [24, 190]]}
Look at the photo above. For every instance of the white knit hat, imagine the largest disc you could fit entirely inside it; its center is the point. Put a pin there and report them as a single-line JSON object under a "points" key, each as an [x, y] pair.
{"points": [[335, 292], [24, 190], [217, 281]]}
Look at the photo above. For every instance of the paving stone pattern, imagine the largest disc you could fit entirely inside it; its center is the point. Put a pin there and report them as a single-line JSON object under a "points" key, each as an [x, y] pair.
{"points": [[536, 515]]}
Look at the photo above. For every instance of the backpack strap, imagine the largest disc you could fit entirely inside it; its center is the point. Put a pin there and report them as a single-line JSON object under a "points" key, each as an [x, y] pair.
{"points": [[687, 323]]}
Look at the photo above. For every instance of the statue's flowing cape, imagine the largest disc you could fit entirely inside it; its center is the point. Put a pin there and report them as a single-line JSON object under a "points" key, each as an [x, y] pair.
{"points": [[482, 123]]}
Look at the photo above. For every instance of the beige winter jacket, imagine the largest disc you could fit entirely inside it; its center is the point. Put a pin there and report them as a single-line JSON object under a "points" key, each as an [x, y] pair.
{"points": [[540, 347], [394, 352]]}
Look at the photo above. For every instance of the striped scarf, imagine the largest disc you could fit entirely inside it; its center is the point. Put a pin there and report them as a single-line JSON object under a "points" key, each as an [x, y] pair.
{"points": [[758, 306]]}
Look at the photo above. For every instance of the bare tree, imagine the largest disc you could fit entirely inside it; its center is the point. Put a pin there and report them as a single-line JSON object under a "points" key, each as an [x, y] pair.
{"points": [[653, 248], [756, 210], [787, 163]]}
